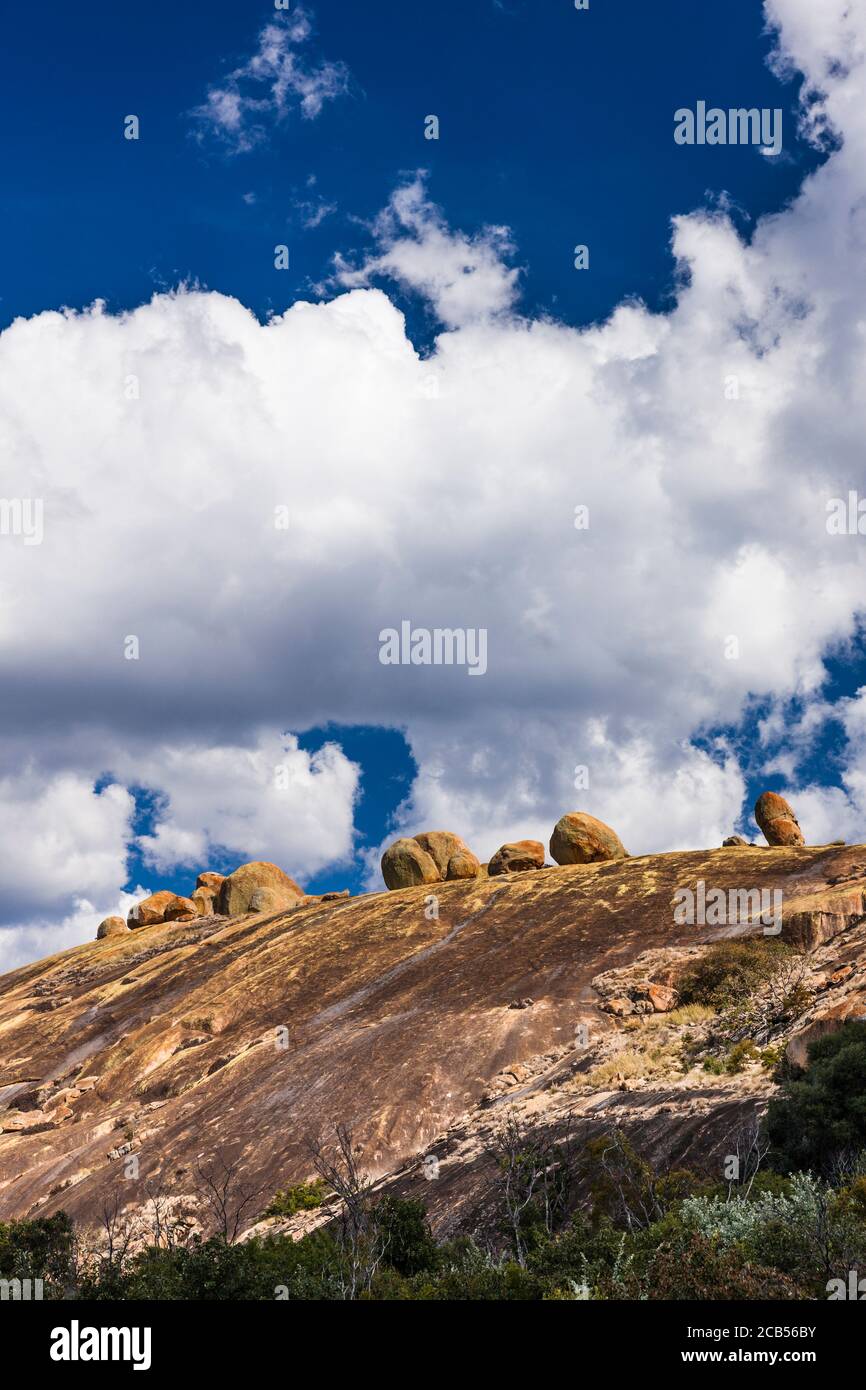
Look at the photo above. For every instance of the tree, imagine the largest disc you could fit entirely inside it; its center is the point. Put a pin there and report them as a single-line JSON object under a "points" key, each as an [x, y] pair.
{"points": [[821, 1114], [223, 1191], [536, 1169], [362, 1243]]}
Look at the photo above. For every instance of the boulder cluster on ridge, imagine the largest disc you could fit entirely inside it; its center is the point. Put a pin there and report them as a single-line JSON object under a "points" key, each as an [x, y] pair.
{"points": [[431, 856]]}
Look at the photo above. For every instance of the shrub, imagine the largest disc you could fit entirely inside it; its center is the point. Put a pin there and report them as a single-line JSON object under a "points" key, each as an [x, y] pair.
{"points": [[714, 1065], [625, 1189], [731, 971], [303, 1196], [728, 1222], [38, 1249], [822, 1113], [687, 1265], [654, 1059], [740, 1055], [406, 1243]]}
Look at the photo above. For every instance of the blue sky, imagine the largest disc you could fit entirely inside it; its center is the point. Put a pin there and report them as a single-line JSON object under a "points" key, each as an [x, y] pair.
{"points": [[555, 129], [554, 123]]}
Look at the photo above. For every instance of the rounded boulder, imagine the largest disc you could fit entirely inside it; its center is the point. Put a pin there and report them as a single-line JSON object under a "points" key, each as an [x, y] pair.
{"points": [[463, 864], [579, 838], [238, 890], [451, 855], [405, 864], [210, 882], [180, 910], [777, 820], [516, 858], [111, 926], [150, 911]]}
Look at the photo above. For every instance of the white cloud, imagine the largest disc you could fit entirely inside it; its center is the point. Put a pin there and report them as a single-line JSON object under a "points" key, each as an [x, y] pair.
{"points": [[313, 214], [838, 812], [276, 80], [442, 490], [678, 797], [18, 945], [60, 839], [271, 801], [464, 278]]}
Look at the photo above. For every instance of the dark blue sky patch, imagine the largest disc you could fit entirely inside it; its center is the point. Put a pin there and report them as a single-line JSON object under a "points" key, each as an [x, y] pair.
{"points": [[536, 133]]}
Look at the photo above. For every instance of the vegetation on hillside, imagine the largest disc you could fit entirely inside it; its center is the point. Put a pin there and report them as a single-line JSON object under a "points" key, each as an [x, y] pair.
{"points": [[571, 1221]]}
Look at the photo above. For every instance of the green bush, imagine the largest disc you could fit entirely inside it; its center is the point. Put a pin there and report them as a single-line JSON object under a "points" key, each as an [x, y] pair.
{"points": [[38, 1249], [821, 1114], [643, 1235], [686, 1265], [402, 1229], [731, 971], [303, 1196]]}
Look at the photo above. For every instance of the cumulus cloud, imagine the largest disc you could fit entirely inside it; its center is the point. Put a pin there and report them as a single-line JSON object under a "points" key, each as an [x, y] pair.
{"points": [[271, 801], [705, 444], [678, 797], [61, 839], [18, 945], [838, 810], [464, 278], [240, 111]]}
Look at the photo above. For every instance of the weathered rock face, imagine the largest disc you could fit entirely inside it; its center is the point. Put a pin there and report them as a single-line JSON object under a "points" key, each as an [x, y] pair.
{"points": [[180, 910], [734, 842], [151, 911], [267, 900], [210, 881], [777, 820], [399, 1026], [239, 888], [827, 1020], [405, 864], [516, 857], [452, 857], [433, 856], [581, 839], [205, 901], [111, 926]]}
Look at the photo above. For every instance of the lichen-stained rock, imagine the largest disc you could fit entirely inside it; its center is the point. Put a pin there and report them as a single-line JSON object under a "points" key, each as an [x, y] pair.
{"points": [[452, 857], [405, 864], [848, 1010], [440, 845], [206, 893], [462, 864], [239, 888], [579, 838], [111, 926], [516, 857], [211, 882], [205, 900], [150, 911], [397, 1021], [662, 997], [180, 910], [776, 818], [269, 900]]}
